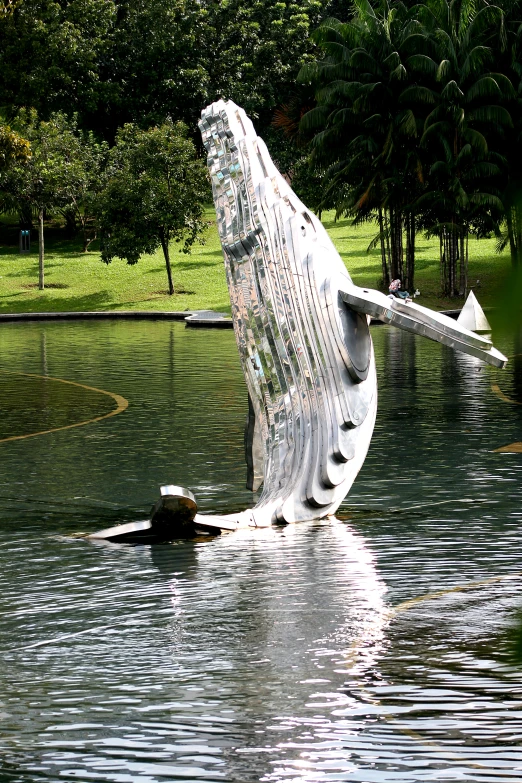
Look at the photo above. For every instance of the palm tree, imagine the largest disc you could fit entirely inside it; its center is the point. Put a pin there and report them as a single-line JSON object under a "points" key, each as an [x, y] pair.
{"points": [[362, 129], [467, 118], [411, 119], [508, 55]]}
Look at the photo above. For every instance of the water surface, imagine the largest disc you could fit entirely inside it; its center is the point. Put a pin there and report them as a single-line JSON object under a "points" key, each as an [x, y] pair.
{"points": [[292, 654]]}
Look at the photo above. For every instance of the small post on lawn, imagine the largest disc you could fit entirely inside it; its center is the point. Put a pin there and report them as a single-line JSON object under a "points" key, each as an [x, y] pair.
{"points": [[25, 241]]}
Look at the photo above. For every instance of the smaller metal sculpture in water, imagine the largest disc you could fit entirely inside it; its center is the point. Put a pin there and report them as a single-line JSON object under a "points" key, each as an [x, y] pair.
{"points": [[172, 516]]}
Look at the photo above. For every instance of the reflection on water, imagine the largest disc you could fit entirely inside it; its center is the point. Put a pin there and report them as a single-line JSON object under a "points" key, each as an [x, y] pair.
{"points": [[268, 655]]}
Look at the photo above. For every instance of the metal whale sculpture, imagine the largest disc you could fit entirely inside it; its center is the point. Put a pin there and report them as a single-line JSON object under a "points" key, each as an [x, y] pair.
{"points": [[302, 330]]}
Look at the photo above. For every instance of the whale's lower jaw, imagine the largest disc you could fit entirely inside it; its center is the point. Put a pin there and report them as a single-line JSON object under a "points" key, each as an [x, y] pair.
{"points": [[307, 358]]}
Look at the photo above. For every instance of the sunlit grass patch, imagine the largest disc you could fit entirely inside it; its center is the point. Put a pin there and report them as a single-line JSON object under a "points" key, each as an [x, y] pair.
{"points": [[78, 281]]}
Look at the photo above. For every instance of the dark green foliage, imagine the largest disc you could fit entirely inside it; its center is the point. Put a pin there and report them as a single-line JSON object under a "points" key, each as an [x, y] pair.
{"points": [[52, 55], [365, 128], [154, 192], [413, 120], [261, 45], [118, 61], [413, 111]]}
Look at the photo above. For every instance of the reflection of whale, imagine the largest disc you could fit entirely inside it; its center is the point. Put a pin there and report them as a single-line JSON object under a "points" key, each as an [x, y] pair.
{"points": [[302, 331]]}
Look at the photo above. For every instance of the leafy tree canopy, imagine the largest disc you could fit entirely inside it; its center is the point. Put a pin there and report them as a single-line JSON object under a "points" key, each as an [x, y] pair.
{"points": [[155, 190], [412, 116], [51, 55], [118, 61], [49, 177]]}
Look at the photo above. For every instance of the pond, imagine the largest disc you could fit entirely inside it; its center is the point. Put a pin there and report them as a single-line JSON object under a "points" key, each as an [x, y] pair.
{"points": [[379, 646]]}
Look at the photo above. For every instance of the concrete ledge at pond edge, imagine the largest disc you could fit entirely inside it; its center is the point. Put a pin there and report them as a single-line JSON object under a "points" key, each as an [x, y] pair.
{"points": [[208, 318]]}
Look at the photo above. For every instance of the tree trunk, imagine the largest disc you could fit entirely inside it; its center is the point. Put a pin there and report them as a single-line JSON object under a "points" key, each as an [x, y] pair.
{"points": [[41, 282], [463, 287], [165, 247], [409, 282], [396, 270], [442, 262], [467, 264], [451, 255], [453, 263], [385, 273], [461, 270], [388, 244], [518, 232], [87, 241], [511, 236], [455, 251], [445, 263]]}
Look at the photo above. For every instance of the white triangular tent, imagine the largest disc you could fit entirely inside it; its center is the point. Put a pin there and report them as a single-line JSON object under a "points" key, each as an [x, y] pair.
{"points": [[472, 316]]}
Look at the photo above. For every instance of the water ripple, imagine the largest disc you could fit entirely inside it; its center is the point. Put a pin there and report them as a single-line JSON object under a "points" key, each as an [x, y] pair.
{"points": [[270, 655]]}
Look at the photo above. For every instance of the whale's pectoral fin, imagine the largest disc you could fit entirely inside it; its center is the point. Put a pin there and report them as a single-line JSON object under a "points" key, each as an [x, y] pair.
{"points": [[420, 320], [253, 450]]}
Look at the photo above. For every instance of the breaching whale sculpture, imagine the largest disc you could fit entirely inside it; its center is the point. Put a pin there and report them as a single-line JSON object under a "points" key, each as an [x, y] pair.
{"points": [[301, 327]]}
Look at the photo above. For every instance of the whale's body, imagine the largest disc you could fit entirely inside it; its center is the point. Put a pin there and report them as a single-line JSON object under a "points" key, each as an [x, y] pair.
{"points": [[302, 330]]}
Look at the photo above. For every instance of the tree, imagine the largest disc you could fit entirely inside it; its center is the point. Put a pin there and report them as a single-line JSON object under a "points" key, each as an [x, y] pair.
{"points": [[7, 7], [508, 58], [411, 119], [118, 61], [155, 189], [262, 45], [172, 57], [363, 129], [467, 119], [51, 178], [79, 177]]}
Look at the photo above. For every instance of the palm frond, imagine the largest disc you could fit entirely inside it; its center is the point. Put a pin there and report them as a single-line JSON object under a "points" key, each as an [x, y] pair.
{"points": [[315, 118], [491, 114], [408, 124], [452, 92], [475, 61], [502, 241], [422, 64], [476, 139], [485, 87], [418, 94], [487, 200], [482, 170]]}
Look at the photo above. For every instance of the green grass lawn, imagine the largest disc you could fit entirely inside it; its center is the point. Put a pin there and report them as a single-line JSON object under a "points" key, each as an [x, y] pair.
{"points": [[80, 281]]}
